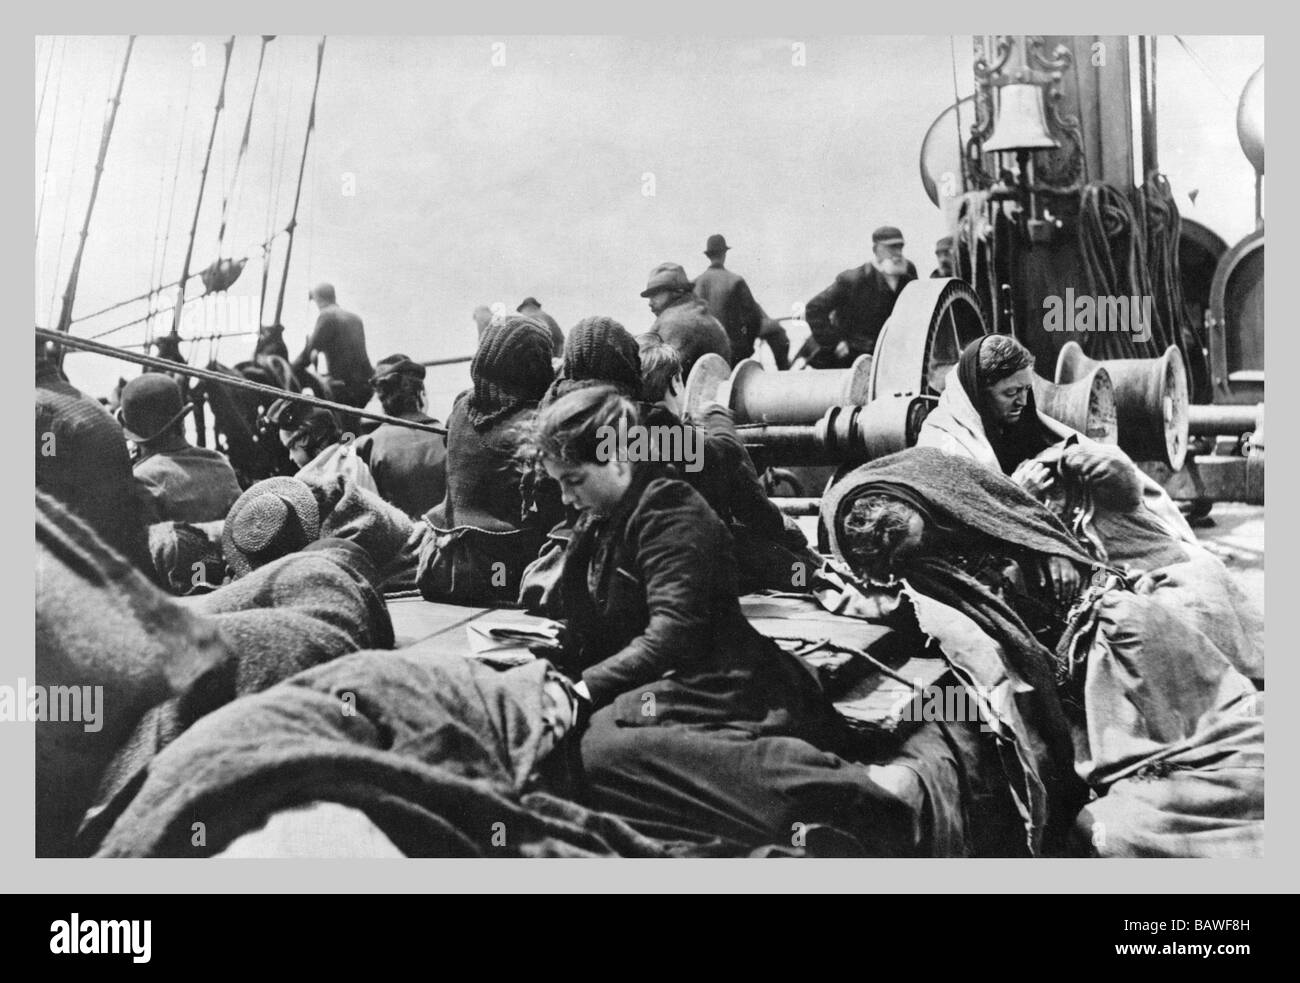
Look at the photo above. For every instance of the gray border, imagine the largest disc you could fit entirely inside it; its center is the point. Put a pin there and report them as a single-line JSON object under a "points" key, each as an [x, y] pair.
{"points": [[804, 19]]}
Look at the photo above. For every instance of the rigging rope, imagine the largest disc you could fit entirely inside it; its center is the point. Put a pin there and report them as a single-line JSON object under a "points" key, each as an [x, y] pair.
{"points": [[1205, 69], [243, 146], [235, 382], [281, 141], [67, 211], [49, 62], [203, 180], [49, 144], [171, 204], [70, 292], [302, 166]]}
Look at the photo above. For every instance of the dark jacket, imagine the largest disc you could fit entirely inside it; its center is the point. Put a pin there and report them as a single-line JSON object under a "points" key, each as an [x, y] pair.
{"points": [[82, 460], [650, 590], [179, 482], [342, 337], [409, 466], [687, 325], [491, 523], [553, 326], [732, 303], [861, 301], [770, 554]]}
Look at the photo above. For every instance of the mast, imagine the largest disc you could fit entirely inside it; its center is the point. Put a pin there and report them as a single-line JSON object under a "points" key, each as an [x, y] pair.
{"points": [[70, 292], [302, 167], [203, 180]]}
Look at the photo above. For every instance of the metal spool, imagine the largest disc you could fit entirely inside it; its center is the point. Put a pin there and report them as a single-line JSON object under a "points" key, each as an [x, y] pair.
{"points": [[933, 320], [759, 396], [1236, 323], [1151, 400], [708, 383], [1086, 405]]}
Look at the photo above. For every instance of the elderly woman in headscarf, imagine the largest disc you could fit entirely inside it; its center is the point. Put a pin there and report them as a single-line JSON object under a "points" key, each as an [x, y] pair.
{"points": [[491, 523], [987, 413]]}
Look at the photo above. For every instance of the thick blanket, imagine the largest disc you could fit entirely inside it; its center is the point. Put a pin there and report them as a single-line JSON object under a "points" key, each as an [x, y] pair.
{"points": [[441, 753]]}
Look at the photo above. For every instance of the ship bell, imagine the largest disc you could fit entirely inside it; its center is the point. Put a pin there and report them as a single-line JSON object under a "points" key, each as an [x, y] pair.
{"points": [[1022, 120]]}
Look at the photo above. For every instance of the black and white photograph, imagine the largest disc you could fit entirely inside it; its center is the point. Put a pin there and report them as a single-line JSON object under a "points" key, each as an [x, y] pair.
{"points": [[534, 446]]}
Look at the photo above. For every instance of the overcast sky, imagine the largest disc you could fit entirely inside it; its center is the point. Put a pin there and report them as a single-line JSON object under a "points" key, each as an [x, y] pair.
{"points": [[450, 172]]}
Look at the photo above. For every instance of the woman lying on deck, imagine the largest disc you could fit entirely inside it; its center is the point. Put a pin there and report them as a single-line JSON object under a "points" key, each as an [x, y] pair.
{"points": [[696, 720], [1138, 684]]}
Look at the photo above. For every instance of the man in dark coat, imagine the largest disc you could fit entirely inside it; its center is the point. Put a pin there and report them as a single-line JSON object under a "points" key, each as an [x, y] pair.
{"points": [[943, 256], [860, 302], [82, 460], [682, 319], [409, 466], [176, 481], [340, 335], [532, 307], [731, 302]]}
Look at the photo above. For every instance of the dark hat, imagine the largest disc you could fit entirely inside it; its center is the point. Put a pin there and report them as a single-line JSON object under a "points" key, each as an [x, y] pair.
{"points": [[512, 367], [887, 235], [667, 276], [944, 245], [602, 350], [285, 414], [528, 302], [151, 404], [272, 519], [397, 365], [716, 244]]}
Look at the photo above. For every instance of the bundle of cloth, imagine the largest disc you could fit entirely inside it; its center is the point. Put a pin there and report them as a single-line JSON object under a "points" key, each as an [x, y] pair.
{"points": [[444, 756], [1137, 733], [164, 662]]}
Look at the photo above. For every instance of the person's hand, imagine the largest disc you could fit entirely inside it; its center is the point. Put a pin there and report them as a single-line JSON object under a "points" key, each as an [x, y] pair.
{"points": [[1093, 465], [1034, 477], [842, 350], [1064, 577]]}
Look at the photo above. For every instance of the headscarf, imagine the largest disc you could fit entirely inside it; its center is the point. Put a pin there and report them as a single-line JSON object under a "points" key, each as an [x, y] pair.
{"points": [[598, 350], [1025, 438], [511, 370]]}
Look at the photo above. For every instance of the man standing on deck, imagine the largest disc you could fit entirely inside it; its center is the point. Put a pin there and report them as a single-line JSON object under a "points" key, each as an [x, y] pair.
{"points": [[532, 307], [682, 319], [860, 300], [943, 256], [731, 302], [340, 335]]}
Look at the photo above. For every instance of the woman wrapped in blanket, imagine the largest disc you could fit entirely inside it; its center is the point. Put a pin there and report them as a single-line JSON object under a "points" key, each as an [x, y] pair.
{"points": [[1144, 684], [987, 414], [696, 721]]}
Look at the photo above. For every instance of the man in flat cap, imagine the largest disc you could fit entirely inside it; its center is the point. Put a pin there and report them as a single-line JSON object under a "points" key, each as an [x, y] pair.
{"points": [[943, 256], [532, 307], [731, 302], [847, 316], [177, 481], [341, 337], [682, 319]]}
